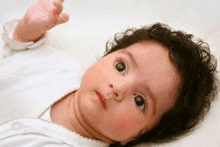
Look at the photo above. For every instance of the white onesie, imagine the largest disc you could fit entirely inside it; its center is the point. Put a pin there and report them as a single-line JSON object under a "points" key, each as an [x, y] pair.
{"points": [[32, 78]]}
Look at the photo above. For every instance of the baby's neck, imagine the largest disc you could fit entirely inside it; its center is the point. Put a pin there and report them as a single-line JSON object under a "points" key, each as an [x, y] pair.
{"points": [[62, 113]]}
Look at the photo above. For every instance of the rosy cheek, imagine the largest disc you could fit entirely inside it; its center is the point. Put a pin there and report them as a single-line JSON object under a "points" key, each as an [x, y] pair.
{"points": [[124, 124]]}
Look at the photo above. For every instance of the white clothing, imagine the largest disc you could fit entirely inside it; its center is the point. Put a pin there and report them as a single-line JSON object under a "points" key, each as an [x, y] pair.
{"points": [[37, 133], [34, 77]]}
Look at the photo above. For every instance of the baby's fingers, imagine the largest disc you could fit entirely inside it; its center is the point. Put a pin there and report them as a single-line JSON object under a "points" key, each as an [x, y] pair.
{"points": [[58, 7], [64, 17], [56, 11]]}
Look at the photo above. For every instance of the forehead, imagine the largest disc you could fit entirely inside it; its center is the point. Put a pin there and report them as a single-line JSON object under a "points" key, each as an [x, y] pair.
{"points": [[148, 50]]}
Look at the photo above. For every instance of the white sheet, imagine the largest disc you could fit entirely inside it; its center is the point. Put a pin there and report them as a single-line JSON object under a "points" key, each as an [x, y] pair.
{"points": [[93, 22]]}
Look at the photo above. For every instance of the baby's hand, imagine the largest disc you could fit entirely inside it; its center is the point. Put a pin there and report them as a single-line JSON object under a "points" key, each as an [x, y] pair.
{"points": [[39, 18], [44, 15]]}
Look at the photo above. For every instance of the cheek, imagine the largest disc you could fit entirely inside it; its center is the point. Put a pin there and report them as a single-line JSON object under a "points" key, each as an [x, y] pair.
{"points": [[95, 74], [127, 122], [124, 124]]}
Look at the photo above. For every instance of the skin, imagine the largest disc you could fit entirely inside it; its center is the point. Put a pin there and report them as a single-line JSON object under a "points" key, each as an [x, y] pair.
{"points": [[38, 19], [120, 118]]}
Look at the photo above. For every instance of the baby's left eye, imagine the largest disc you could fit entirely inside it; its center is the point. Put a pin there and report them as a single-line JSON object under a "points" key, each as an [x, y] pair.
{"points": [[121, 68], [140, 102]]}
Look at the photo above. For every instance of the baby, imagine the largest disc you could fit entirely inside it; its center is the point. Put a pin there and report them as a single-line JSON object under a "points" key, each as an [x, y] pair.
{"points": [[152, 85]]}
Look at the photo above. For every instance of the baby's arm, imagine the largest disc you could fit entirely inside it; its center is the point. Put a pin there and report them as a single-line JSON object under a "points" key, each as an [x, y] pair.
{"points": [[39, 18]]}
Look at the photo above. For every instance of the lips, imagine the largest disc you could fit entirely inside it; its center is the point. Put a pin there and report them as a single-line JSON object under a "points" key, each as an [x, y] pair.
{"points": [[102, 99]]}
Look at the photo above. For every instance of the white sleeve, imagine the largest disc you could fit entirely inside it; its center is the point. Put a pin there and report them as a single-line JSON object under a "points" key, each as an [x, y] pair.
{"points": [[12, 46]]}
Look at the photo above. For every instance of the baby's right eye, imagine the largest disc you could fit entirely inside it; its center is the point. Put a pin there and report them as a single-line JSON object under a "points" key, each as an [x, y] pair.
{"points": [[121, 68]]}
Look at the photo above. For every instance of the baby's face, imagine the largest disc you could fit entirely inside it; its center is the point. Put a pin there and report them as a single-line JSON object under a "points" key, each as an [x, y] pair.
{"points": [[125, 93]]}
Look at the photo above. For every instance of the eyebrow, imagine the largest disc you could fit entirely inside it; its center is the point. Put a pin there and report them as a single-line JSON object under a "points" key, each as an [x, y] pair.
{"points": [[129, 54], [152, 95]]}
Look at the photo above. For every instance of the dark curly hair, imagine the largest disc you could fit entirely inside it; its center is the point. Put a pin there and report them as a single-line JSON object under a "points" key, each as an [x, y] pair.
{"points": [[197, 68]]}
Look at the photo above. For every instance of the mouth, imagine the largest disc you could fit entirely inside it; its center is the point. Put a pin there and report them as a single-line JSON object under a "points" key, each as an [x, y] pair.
{"points": [[102, 99]]}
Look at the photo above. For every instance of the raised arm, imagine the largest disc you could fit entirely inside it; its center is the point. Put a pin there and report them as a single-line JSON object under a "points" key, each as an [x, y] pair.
{"points": [[39, 18]]}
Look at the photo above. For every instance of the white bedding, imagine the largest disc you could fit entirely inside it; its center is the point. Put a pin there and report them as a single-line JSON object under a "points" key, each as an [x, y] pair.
{"points": [[93, 22]]}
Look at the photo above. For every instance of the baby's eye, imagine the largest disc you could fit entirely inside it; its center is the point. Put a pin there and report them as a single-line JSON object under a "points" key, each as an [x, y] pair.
{"points": [[140, 102], [121, 68]]}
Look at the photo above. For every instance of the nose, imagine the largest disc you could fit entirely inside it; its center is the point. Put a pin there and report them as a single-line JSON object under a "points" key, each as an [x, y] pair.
{"points": [[120, 90]]}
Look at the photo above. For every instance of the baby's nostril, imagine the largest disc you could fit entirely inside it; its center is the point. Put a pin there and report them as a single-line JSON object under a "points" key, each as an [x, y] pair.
{"points": [[110, 85]]}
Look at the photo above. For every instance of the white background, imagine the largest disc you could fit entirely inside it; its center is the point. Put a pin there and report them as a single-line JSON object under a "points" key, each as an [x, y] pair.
{"points": [[93, 22]]}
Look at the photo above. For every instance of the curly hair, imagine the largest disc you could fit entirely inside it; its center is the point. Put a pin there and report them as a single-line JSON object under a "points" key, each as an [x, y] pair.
{"points": [[197, 67]]}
